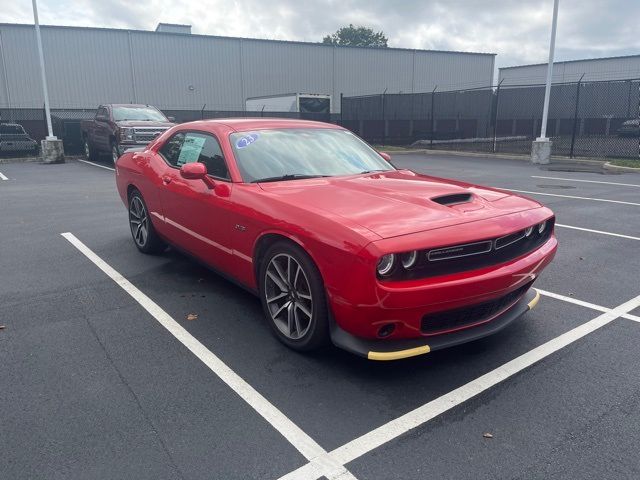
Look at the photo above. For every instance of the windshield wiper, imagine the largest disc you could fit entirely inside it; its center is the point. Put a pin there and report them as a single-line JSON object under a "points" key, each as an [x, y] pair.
{"points": [[288, 176], [372, 171]]}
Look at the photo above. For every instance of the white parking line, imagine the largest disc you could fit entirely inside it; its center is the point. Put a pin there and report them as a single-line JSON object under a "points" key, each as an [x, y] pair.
{"points": [[629, 237], [573, 196], [96, 165], [393, 429], [586, 181], [289, 430], [2, 177], [331, 464], [592, 306]]}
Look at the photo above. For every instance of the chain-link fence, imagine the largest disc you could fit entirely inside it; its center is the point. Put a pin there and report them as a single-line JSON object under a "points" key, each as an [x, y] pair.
{"points": [[66, 123], [589, 119]]}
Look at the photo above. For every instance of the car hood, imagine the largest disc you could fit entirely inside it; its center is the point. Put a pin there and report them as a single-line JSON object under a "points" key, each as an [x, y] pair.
{"points": [[399, 202], [139, 123]]}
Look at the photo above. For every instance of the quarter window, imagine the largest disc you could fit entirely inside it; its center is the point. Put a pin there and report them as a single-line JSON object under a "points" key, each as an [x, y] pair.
{"points": [[189, 147]]}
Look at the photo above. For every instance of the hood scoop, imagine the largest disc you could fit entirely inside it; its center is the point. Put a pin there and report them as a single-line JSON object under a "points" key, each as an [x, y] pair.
{"points": [[452, 199]]}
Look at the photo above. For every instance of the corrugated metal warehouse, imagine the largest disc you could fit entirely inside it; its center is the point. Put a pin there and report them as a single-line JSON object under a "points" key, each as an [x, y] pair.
{"points": [[612, 68], [89, 66]]}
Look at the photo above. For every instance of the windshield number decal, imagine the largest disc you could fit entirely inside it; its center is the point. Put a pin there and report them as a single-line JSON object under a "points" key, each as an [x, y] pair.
{"points": [[247, 140]]}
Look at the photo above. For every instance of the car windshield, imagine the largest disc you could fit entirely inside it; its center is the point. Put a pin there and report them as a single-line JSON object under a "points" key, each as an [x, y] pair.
{"points": [[289, 154], [121, 114]]}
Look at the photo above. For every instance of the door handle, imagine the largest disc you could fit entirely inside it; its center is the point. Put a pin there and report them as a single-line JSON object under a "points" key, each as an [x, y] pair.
{"points": [[166, 179]]}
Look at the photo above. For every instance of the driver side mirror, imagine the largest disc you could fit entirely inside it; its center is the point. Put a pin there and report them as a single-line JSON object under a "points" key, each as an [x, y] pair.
{"points": [[386, 156], [171, 119], [196, 171], [193, 171]]}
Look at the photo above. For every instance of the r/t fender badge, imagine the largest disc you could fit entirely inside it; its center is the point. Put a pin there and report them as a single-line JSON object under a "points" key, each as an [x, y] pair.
{"points": [[241, 228]]}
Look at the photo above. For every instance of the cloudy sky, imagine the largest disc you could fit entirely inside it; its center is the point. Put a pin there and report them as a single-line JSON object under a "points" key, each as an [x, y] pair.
{"points": [[517, 30]]}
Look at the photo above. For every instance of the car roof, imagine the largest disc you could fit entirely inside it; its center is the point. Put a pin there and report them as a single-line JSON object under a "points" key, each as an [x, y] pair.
{"points": [[260, 123]]}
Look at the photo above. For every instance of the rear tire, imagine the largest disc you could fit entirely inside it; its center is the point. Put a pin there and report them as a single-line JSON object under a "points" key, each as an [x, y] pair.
{"points": [[293, 297], [144, 235]]}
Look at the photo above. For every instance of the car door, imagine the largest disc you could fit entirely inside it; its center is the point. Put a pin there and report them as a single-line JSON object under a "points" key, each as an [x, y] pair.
{"points": [[196, 213], [102, 130]]}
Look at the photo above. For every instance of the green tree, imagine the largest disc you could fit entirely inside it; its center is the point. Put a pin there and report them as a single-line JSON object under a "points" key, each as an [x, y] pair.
{"points": [[357, 37]]}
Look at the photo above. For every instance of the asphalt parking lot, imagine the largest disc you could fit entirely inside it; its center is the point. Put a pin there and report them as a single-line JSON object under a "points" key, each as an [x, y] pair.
{"points": [[103, 376]]}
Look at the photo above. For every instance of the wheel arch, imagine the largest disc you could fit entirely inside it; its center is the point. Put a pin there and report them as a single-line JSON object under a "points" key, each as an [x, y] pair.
{"points": [[267, 239], [130, 188]]}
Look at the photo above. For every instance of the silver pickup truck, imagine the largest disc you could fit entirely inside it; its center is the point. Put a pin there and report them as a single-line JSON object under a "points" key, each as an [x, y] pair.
{"points": [[15, 141]]}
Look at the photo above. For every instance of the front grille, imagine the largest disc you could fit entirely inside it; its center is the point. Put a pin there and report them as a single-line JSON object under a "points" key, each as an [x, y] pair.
{"points": [[458, 251], [147, 135], [472, 256], [435, 323]]}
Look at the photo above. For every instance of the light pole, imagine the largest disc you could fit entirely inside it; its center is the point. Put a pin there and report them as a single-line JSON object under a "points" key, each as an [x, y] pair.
{"points": [[541, 148], [52, 151], [42, 72]]}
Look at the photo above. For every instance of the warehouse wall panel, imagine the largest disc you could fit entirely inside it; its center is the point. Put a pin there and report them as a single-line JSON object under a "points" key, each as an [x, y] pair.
{"points": [[615, 68], [89, 66]]}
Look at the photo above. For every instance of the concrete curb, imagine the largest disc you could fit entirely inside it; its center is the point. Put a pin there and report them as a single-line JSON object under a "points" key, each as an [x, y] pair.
{"points": [[619, 169], [20, 160], [527, 158]]}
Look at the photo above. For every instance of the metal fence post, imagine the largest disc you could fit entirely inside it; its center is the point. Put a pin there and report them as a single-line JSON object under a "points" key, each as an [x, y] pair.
{"points": [[495, 116], [341, 109], [575, 117], [202, 112], [384, 119], [433, 122]]}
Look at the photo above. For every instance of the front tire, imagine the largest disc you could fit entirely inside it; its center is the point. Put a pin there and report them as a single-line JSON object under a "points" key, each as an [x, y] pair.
{"points": [[293, 297], [115, 152], [142, 231]]}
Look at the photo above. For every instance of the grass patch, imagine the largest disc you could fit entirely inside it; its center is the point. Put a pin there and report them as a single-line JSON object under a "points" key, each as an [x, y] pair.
{"points": [[626, 163]]}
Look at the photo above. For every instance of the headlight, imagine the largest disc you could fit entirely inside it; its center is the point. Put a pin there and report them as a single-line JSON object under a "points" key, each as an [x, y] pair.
{"points": [[528, 232], [408, 259], [542, 226], [127, 134], [385, 264]]}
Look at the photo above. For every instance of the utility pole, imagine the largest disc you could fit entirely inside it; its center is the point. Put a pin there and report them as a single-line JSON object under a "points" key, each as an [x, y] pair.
{"points": [[541, 148], [52, 151]]}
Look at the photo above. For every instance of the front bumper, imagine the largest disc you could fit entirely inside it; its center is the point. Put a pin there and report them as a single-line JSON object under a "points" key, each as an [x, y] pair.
{"points": [[404, 348]]}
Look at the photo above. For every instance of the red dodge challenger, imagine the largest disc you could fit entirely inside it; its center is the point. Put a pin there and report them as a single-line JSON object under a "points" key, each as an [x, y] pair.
{"points": [[338, 243]]}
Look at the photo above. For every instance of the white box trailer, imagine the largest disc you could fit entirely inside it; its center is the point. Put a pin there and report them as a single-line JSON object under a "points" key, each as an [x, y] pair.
{"points": [[290, 102]]}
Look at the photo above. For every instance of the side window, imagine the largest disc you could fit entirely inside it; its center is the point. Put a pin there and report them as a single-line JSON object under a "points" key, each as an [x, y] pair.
{"points": [[171, 150], [188, 147], [211, 156], [102, 112]]}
